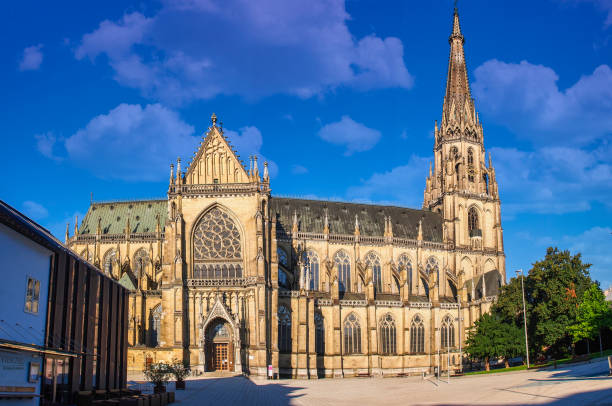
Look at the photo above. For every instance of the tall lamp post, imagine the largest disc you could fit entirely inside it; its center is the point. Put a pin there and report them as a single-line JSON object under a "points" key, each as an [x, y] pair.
{"points": [[520, 271]]}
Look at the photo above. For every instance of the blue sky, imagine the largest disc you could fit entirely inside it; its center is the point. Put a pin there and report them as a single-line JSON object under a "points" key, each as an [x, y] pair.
{"points": [[340, 97]]}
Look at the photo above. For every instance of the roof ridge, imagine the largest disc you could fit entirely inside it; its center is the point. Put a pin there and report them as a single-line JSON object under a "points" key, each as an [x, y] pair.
{"points": [[352, 203], [129, 201]]}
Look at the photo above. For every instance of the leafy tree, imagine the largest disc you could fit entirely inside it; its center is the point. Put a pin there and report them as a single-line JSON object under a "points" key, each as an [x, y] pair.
{"points": [[490, 337], [554, 290], [594, 314], [509, 304]]}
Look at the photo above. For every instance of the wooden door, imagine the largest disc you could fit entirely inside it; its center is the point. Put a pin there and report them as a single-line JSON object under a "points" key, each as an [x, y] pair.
{"points": [[220, 357]]}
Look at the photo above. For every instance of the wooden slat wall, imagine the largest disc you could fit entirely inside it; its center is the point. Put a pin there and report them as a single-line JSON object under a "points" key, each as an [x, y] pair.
{"points": [[71, 315]]}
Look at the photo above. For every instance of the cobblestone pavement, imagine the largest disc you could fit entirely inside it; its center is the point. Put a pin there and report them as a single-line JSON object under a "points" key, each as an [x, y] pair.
{"points": [[585, 384]]}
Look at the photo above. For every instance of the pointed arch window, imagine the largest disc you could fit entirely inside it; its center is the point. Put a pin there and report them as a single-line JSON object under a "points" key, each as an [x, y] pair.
{"points": [[473, 223], [403, 262], [417, 335], [284, 329], [470, 160], [141, 260], [352, 334], [319, 333], [311, 269], [217, 252], [155, 323], [447, 333], [372, 260], [343, 265], [386, 327], [109, 258]]}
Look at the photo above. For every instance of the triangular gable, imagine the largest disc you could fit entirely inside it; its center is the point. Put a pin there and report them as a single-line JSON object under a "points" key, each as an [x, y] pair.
{"points": [[218, 310], [215, 161], [127, 282]]}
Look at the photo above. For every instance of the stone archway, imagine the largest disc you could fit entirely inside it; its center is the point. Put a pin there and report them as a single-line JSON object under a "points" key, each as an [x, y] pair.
{"points": [[220, 339], [219, 346]]}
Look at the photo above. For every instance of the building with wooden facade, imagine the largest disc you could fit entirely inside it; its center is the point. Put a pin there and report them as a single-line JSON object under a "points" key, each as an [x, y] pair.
{"points": [[63, 323]]}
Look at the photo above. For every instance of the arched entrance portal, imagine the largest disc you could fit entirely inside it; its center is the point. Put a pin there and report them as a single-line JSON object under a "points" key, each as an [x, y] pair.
{"points": [[219, 346]]}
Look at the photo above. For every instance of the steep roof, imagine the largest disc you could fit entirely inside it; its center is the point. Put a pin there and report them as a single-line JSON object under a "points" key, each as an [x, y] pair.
{"points": [[341, 218], [114, 215]]}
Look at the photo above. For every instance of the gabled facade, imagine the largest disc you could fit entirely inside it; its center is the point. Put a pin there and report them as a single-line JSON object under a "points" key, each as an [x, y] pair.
{"points": [[228, 277]]}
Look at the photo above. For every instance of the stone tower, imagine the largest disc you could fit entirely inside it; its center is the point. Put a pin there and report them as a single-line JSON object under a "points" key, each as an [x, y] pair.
{"points": [[460, 186]]}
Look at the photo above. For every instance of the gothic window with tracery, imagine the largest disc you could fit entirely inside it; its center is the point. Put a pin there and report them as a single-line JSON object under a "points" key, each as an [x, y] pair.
{"points": [[217, 252], [372, 260], [319, 333], [343, 265], [447, 333], [470, 164], [352, 335], [87, 255], [283, 281], [109, 258], [310, 261], [155, 322], [284, 329], [386, 327], [403, 262], [417, 335], [473, 226], [141, 260]]}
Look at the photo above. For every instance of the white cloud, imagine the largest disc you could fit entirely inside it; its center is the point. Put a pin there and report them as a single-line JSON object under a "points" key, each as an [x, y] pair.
{"points": [[138, 143], [594, 244], [526, 98], [248, 141], [35, 211], [355, 136], [402, 185], [198, 49], [32, 58], [553, 179], [299, 170], [132, 142], [46, 144]]}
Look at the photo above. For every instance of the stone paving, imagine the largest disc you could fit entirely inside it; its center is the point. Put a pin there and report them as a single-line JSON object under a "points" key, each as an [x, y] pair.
{"points": [[584, 384]]}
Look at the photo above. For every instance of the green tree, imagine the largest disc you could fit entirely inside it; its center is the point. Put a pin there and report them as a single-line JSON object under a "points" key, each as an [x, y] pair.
{"points": [[509, 304], [554, 290], [491, 337], [594, 314]]}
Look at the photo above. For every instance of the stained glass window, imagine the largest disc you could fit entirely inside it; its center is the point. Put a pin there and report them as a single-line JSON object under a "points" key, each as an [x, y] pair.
{"points": [[403, 262], [217, 251], [372, 260], [284, 329], [352, 335], [343, 265], [387, 334], [311, 268], [417, 335]]}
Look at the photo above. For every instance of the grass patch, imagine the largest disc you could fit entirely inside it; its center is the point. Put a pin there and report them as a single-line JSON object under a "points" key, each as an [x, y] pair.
{"points": [[561, 361]]}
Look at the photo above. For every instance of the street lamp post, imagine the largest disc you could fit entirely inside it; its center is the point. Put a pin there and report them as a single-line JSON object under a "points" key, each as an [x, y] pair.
{"points": [[520, 271]]}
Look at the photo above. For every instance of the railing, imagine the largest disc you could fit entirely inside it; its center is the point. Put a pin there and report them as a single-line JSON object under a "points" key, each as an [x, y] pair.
{"points": [[220, 188], [353, 303], [389, 303], [225, 282], [91, 238], [420, 305]]}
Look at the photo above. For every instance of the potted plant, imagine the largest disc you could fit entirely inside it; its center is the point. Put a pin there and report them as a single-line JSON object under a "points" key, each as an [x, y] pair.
{"points": [[180, 372], [158, 373]]}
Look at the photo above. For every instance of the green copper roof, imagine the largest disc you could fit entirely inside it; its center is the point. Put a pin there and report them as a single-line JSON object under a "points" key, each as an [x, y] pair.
{"points": [[114, 215], [127, 282], [341, 218]]}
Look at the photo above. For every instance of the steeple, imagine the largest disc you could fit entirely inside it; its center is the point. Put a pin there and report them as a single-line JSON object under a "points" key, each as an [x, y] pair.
{"points": [[458, 111]]}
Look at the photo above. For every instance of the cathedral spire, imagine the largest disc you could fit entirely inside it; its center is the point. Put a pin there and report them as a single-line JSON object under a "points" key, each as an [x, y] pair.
{"points": [[457, 85]]}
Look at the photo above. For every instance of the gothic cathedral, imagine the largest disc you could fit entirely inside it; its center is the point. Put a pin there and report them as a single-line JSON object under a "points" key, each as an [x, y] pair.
{"points": [[227, 277]]}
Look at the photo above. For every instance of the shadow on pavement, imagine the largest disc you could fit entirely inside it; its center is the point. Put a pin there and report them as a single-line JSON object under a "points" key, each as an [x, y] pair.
{"points": [[235, 390], [596, 397]]}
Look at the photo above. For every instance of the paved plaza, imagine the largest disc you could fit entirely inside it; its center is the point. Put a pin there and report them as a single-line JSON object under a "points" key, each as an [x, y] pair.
{"points": [[583, 384]]}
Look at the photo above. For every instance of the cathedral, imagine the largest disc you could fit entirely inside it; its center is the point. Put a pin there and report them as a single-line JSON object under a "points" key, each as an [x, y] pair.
{"points": [[228, 277]]}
